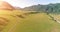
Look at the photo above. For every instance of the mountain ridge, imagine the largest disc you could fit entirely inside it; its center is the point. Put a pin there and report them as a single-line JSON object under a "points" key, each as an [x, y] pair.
{"points": [[54, 8]]}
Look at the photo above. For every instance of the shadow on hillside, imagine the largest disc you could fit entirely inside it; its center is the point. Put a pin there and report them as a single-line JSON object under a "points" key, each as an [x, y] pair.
{"points": [[26, 14], [31, 13], [21, 16]]}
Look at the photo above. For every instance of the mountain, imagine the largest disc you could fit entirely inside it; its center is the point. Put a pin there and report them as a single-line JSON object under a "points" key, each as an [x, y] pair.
{"points": [[55, 8], [18, 8], [5, 5]]}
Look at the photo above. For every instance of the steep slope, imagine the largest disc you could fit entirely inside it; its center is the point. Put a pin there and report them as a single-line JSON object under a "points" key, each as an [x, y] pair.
{"points": [[5, 5]]}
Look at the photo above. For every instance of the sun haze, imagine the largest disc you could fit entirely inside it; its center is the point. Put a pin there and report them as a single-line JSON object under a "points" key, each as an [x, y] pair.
{"points": [[26, 3]]}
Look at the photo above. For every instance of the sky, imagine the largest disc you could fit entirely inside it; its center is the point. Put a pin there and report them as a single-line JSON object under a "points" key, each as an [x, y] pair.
{"points": [[26, 3]]}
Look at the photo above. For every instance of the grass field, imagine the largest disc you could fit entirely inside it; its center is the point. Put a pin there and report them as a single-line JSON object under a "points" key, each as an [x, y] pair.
{"points": [[39, 22]]}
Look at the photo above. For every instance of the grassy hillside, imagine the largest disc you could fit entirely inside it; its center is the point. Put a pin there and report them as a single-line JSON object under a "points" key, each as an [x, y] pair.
{"points": [[9, 18], [24, 21]]}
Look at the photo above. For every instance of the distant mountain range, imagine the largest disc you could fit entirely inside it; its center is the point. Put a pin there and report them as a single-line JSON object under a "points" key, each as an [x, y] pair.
{"points": [[18, 8], [55, 8]]}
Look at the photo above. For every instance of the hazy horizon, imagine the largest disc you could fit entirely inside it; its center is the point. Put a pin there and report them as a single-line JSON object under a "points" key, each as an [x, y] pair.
{"points": [[26, 3]]}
